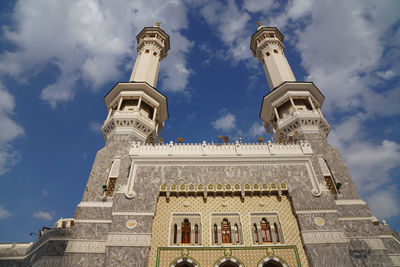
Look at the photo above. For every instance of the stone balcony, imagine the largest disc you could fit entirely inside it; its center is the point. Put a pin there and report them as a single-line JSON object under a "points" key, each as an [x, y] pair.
{"points": [[128, 122], [301, 120]]}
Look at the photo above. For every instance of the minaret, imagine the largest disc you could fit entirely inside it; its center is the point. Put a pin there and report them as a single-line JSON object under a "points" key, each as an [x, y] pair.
{"points": [[292, 108], [136, 107]]}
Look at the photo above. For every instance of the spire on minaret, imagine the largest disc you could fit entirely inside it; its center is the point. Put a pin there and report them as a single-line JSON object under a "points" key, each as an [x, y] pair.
{"points": [[267, 46], [292, 107], [136, 107], [152, 47]]}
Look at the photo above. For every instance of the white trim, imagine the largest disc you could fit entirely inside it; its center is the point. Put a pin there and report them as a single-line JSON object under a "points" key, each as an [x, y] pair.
{"points": [[315, 211], [93, 221], [350, 202], [356, 218], [87, 246], [95, 204], [132, 213]]}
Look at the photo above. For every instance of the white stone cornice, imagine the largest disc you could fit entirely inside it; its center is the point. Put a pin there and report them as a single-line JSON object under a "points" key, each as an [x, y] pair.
{"points": [[350, 202], [93, 221], [132, 213], [315, 211], [95, 204], [369, 218]]}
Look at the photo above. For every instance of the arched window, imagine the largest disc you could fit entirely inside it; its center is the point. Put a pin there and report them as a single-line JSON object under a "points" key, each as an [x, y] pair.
{"points": [[236, 233], [196, 234], [276, 232], [255, 233], [215, 234], [226, 231], [265, 231], [185, 231], [175, 233]]}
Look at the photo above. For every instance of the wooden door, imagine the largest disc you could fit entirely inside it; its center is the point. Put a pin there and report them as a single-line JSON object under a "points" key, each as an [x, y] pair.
{"points": [[185, 232], [226, 231]]}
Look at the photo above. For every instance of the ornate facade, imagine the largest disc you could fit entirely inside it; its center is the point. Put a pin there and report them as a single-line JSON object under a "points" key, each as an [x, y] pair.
{"points": [[290, 202]]}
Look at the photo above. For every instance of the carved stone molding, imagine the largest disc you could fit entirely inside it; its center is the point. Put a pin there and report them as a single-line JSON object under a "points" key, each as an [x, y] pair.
{"points": [[370, 218], [395, 259], [350, 202], [129, 240], [86, 246], [375, 243], [324, 237], [315, 211]]}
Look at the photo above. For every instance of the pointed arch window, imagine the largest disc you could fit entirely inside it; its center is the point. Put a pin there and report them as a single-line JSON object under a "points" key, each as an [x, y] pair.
{"points": [[226, 231], [215, 234], [255, 233], [236, 233], [175, 233], [265, 231], [185, 231], [276, 232], [196, 234]]}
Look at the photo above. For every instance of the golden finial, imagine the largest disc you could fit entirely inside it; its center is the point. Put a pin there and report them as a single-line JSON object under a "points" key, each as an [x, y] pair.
{"points": [[158, 23], [259, 23]]}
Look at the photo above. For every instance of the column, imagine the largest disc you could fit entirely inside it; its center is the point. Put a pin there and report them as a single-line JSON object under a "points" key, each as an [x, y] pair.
{"points": [[120, 103]]}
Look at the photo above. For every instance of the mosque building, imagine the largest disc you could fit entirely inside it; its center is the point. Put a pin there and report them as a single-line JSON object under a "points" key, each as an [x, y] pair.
{"points": [[286, 202]]}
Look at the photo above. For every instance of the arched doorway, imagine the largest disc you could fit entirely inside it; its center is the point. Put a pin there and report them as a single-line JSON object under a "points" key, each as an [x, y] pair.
{"points": [[228, 263], [272, 263], [184, 264]]}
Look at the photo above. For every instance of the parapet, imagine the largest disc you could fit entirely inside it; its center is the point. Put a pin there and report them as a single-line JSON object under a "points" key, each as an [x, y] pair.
{"points": [[223, 150]]}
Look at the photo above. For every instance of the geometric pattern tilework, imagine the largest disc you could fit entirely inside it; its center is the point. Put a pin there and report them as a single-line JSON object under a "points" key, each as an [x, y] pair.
{"points": [[375, 243], [161, 228], [324, 237], [395, 259], [208, 256]]}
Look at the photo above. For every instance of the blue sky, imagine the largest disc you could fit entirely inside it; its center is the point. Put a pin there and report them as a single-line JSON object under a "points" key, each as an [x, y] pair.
{"points": [[59, 58]]}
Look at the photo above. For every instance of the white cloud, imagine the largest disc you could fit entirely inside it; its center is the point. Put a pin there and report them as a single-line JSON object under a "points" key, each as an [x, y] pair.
{"points": [[4, 213], [386, 75], [384, 204], [44, 215], [95, 127], [225, 123], [231, 23], [9, 131], [257, 129], [90, 41]]}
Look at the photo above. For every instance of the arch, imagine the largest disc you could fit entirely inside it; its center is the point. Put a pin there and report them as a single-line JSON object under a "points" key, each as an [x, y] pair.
{"points": [[271, 261], [185, 232], [229, 261], [226, 235], [184, 262]]}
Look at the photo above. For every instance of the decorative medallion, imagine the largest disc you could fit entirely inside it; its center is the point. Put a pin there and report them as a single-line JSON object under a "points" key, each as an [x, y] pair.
{"points": [[262, 203], [185, 252], [130, 224], [186, 203], [319, 221], [224, 204], [228, 252]]}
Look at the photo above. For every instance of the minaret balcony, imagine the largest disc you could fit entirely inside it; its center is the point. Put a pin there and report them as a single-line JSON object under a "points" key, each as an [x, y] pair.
{"points": [[301, 121], [126, 122]]}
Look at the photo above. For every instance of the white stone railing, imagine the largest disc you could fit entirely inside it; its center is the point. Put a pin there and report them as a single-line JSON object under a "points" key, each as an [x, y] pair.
{"points": [[298, 113], [231, 149]]}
